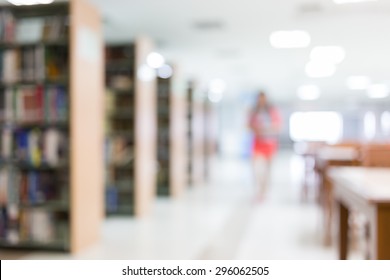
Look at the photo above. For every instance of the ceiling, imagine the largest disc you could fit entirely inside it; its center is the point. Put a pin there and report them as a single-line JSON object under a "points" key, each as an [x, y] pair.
{"points": [[229, 39]]}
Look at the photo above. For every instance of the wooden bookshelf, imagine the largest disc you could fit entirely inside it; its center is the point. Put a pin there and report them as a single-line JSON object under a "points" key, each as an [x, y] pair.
{"points": [[51, 92], [190, 144], [171, 137], [195, 136], [130, 130], [164, 91]]}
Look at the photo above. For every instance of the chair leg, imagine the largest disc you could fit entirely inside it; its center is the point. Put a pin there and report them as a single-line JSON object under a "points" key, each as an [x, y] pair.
{"points": [[367, 236]]}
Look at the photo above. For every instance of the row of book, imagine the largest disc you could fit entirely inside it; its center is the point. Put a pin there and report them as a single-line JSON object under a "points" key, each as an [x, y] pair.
{"points": [[35, 63], [120, 81], [115, 201], [55, 28], [52, 28], [19, 191], [7, 26], [28, 188], [163, 137], [35, 147], [125, 174], [163, 111], [118, 53], [26, 64], [32, 226], [119, 151], [111, 199], [163, 89], [31, 104], [163, 154]]}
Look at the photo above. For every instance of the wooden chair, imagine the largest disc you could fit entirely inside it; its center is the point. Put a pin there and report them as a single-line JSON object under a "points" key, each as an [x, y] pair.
{"points": [[374, 155], [308, 152], [326, 187]]}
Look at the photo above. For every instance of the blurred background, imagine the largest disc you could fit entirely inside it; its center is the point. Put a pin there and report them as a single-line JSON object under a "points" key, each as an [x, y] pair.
{"points": [[175, 173]]}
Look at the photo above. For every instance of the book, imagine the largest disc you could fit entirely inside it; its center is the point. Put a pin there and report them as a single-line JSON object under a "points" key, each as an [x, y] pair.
{"points": [[42, 226], [21, 145], [3, 187], [11, 65], [6, 143], [52, 141], [7, 26], [34, 147], [55, 28], [56, 63], [111, 199], [9, 105]]}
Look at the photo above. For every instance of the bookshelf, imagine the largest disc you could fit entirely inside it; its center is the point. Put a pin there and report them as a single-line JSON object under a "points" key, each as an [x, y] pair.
{"points": [[120, 63], [195, 136], [190, 112], [164, 89], [51, 113], [130, 130], [171, 137]]}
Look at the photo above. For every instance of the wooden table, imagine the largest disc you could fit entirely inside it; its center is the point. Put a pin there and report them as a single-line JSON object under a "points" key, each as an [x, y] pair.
{"points": [[366, 190], [326, 158]]}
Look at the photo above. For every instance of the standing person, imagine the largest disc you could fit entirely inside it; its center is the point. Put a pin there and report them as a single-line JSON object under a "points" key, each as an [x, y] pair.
{"points": [[264, 122]]}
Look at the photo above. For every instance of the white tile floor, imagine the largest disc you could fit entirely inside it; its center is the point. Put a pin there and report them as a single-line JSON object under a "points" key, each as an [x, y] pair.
{"points": [[220, 220]]}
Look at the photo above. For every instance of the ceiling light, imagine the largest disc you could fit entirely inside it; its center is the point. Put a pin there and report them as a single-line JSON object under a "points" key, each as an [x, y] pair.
{"points": [[215, 97], [155, 60], [316, 69], [217, 86], [378, 91], [165, 71], [328, 54], [308, 92], [358, 82], [352, 1], [290, 39], [216, 90]]}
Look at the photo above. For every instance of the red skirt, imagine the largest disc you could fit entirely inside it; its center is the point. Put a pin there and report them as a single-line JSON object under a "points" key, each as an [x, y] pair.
{"points": [[264, 147]]}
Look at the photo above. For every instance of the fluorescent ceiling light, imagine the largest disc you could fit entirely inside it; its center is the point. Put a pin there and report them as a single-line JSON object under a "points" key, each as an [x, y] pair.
{"points": [[155, 60], [216, 90], [290, 39], [215, 97], [352, 1], [165, 71], [29, 2], [378, 91], [308, 92], [328, 54], [217, 86], [316, 69], [358, 82]]}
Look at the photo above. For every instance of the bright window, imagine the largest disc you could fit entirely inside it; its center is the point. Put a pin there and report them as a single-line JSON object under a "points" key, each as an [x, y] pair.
{"points": [[369, 125], [385, 122], [316, 126]]}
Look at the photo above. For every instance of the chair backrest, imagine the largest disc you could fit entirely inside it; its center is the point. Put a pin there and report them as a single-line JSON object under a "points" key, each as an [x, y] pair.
{"points": [[351, 148], [376, 155]]}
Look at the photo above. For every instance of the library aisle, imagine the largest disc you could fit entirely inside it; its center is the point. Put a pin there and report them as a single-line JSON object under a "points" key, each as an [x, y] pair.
{"points": [[221, 220]]}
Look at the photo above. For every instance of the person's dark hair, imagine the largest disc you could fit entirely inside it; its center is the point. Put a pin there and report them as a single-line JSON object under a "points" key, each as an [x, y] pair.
{"points": [[267, 105]]}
